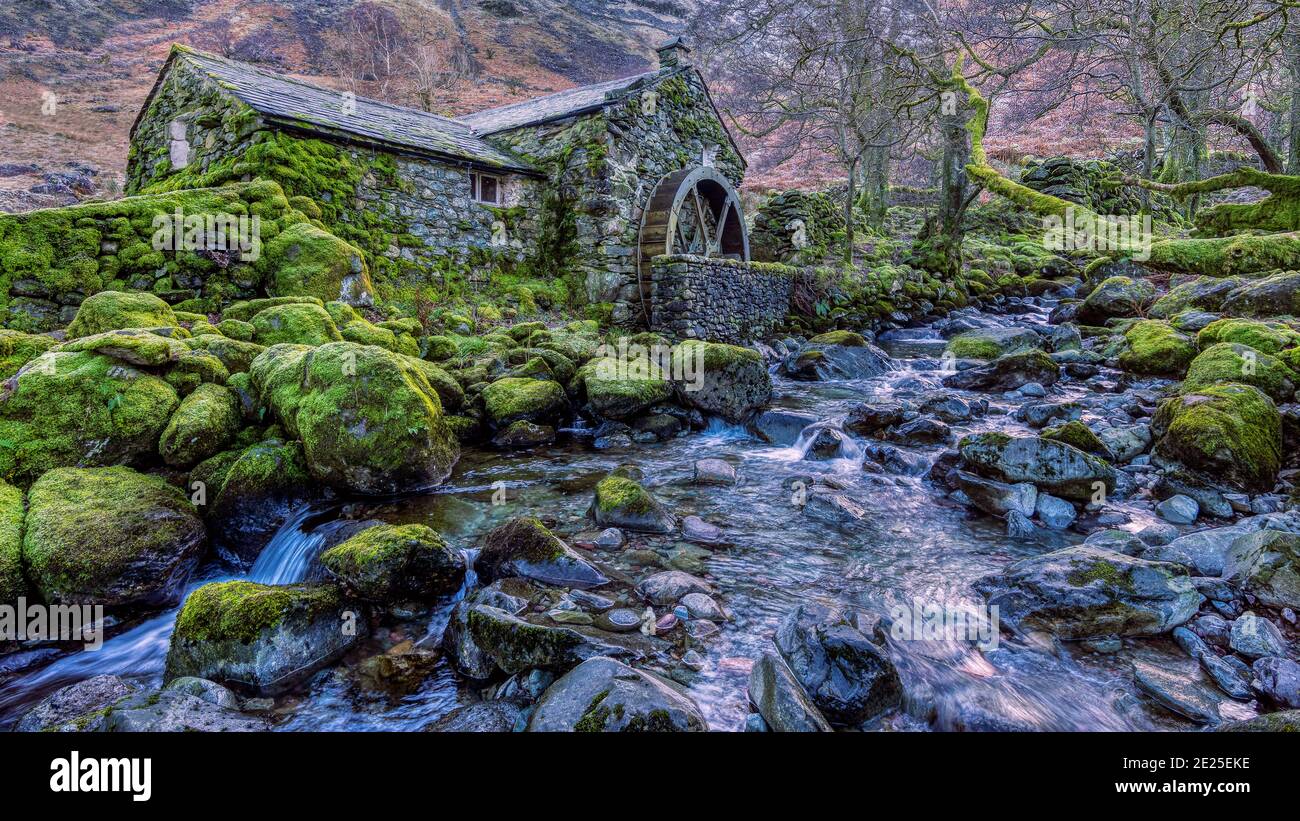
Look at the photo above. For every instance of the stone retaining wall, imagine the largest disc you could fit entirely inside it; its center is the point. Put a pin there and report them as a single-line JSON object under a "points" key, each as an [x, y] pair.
{"points": [[718, 299]]}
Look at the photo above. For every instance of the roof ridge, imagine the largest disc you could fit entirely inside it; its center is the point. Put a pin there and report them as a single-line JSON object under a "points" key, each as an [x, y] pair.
{"points": [[291, 79]]}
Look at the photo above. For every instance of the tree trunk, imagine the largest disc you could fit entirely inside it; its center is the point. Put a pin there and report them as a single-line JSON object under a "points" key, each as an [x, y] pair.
{"points": [[850, 198], [1293, 131], [874, 200], [946, 233]]}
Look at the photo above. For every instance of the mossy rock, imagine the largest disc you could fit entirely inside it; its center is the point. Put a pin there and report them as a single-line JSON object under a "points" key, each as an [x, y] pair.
{"points": [[298, 323], [849, 339], [1116, 297], [18, 348], [131, 345], [388, 563], [245, 310], [618, 389], [449, 391], [1230, 362], [1200, 294], [1154, 347], [261, 638], [251, 495], [236, 356], [112, 310], [523, 330], [1227, 433], [990, 343], [536, 400], [366, 333], [237, 329], [622, 502], [196, 368], [110, 536], [303, 260], [204, 425], [13, 582], [1078, 435], [524, 547], [722, 380], [369, 420], [80, 409], [1265, 337], [437, 348], [1270, 296]]}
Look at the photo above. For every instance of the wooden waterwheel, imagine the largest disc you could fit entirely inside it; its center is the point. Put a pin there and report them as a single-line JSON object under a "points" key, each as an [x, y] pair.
{"points": [[692, 211]]}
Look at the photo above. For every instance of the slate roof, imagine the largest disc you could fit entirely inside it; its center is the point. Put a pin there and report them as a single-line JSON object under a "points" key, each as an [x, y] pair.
{"points": [[553, 106], [293, 103]]}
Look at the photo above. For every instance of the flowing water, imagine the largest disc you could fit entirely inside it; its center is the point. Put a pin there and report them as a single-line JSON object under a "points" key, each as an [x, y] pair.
{"points": [[913, 545]]}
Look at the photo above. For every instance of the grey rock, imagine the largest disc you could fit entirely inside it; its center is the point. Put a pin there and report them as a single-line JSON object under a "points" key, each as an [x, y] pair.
{"points": [[515, 645], [715, 472], [667, 588], [702, 606], [1019, 526], [1179, 510], [525, 547], [1084, 591], [1195, 698], [781, 700], [695, 529], [174, 711], [480, 717], [1279, 679], [61, 710], [1052, 466], [994, 497], [1255, 637], [605, 695], [849, 678], [781, 427], [1055, 513]]}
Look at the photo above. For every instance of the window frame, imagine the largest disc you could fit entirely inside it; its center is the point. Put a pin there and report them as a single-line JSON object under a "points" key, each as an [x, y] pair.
{"points": [[476, 188]]}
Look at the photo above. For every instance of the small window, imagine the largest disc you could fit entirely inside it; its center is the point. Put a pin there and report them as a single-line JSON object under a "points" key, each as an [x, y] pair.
{"points": [[485, 188]]}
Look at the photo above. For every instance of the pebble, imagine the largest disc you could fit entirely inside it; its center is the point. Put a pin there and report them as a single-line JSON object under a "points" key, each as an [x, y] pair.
{"points": [[611, 538]]}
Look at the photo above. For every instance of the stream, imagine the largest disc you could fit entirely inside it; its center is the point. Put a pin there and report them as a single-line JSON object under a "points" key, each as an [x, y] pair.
{"points": [[913, 544]]}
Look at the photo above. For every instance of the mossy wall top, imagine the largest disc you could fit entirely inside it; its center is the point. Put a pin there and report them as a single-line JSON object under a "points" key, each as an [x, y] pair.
{"points": [[53, 259]]}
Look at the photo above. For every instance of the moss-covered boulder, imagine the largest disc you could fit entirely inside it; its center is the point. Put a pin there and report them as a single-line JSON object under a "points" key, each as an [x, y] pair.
{"points": [[1116, 297], [622, 502], [449, 391], [251, 493], [513, 644], [237, 329], [602, 695], [536, 400], [1228, 433], [1052, 466], [1275, 295], [13, 582], [1230, 362], [389, 563], [368, 419], [618, 389], [1078, 435], [111, 310], [134, 346], [245, 310], [110, 536], [990, 343], [1200, 294], [17, 349], [261, 638], [1085, 592], [1154, 347], [850, 339], [297, 323], [1265, 337], [721, 380], [1007, 373], [203, 425], [79, 409], [236, 356], [525, 547], [437, 348], [303, 260]]}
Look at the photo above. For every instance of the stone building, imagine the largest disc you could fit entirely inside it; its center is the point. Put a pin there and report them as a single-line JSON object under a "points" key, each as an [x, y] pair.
{"points": [[590, 183]]}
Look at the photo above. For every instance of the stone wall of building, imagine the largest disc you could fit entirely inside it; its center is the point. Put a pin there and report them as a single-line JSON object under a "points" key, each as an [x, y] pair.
{"points": [[607, 165], [718, 299], [412, 216]]}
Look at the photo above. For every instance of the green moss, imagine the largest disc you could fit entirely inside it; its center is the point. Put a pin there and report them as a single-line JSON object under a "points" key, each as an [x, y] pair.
{"points": [[388, 561], [237, 329], [1155, 347], [241, 611], [974, 347], [133, 346], [111, 310], [1265, 337], [1230, 432], [80, 409], [511, 399], [303, 260], [17, 349], [846, 338], [1079, 435], [204, 424], [247, 309], [13, 583], [1230, 362], [618, 493], [234, 356], [298, 324]]}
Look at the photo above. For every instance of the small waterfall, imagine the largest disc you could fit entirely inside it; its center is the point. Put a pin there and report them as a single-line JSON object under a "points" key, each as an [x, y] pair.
{"points": [[142, 650]]}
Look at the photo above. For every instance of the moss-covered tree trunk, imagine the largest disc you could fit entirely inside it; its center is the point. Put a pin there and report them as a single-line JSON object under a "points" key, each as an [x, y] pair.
{"points": [[874, 199], [938, 248]]}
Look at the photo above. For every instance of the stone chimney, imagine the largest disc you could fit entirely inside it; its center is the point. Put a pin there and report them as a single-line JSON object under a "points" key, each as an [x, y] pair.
{"points": [[673, 53]]}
